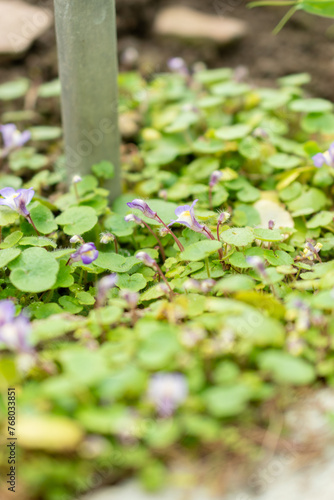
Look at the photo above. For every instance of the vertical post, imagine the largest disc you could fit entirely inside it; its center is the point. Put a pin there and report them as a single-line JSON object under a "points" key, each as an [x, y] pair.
{"points": [[87, 52]]}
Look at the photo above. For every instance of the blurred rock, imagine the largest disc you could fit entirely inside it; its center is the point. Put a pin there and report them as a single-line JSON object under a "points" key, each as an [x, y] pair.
{"points": [[129, 124], [20, 26], [189, 24], [271, 210]]}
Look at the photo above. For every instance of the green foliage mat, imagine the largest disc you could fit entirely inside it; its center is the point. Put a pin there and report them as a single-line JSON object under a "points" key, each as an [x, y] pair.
{"points": [[246, 343]]}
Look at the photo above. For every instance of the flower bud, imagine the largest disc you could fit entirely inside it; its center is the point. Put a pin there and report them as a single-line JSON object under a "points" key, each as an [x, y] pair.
{"points": [[106, 238], [146, 259], [215, 178], [133, 218], [77, 239], [131, 298]]}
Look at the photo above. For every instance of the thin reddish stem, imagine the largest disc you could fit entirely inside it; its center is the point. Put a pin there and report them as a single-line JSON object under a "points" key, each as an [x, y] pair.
{"points": [[210, 197], [163, 255], [177, 241], [164, 279], [32, 223]]}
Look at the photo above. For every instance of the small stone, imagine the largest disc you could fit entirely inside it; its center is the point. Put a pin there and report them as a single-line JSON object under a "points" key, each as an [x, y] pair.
{"points": [[129, 124], [20, 25], [271, 210], [189, 24]]}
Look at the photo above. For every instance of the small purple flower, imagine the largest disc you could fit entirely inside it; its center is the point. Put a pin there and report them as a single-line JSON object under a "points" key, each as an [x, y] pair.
{"points": [[105, 284], [324, 158], [133, 218], [7, 311], [191, 336], [167, 391], [87, 253], [76, 179], [178, 65], [163, 194], [13, 138], [131, 298], [207, 285], [311, 252], [143, 207], [223, 217], [271, 224], [215, 178], [17, 200], [186, 217], [162, 287], [260, 133], [14, 332], [257, 263], [192, 284], [77, 239], [106, 238], [146, 259]]}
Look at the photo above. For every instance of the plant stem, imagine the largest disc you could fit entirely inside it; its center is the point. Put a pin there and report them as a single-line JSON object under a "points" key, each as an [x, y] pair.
{"points": [[218, 234], [164, 279], [116, 245], [210, 197], [32, 223], [220, 251], [76, 192], [207, 267], [177, 241], [81, 276], [163, 255], [284, 20]]}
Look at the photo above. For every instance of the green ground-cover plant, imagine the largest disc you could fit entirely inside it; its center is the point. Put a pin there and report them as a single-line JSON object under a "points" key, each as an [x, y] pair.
{"points": [[322, 8], [136, 340]]}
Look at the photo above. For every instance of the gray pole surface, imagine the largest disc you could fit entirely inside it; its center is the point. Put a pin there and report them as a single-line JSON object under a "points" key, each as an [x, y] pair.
{"points": [[87, 52]]}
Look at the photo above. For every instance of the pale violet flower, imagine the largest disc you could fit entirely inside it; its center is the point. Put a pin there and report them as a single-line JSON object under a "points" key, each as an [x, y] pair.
{"points": [[192, 284], [76, 179], [106, 238], [327, 157], [132, 298], [191, 336], [133, 218], [87, 253], [7, 311], [178, 65], [163, 194], [143, 207], [257, 263], [105, 284], [14, 331], [16, 334], [215, 178], [207, 285], [13, 138], [146, 259], [167, 391], [186, 217], [17, 200], [76, 239], [162, 287], [223, 217], [311, 252]]}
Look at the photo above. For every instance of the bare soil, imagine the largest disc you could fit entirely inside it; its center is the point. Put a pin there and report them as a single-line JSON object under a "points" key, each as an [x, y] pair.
{"points": [[306, 43]]}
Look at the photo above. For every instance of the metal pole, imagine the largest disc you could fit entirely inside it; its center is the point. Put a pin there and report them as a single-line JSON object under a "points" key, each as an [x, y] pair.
{"points": [[87, 52]]}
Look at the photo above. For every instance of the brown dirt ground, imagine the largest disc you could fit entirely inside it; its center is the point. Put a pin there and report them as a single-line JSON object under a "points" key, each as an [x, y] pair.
{"points": [[305, 44]]}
